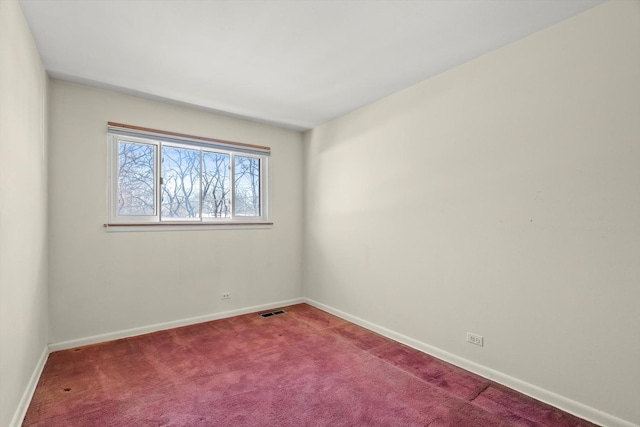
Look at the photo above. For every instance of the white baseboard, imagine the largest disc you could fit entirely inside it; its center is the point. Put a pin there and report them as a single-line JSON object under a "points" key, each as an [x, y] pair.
{"points": [[126, 333], [571, 406], [21, 410]]}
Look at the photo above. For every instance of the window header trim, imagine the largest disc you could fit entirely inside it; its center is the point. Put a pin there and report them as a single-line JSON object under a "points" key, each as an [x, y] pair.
{"points": [[138, 131]]}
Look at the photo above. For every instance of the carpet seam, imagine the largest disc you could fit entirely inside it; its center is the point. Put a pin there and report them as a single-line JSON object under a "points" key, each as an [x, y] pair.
{"points": [[397, 367], [485, 388], [411, 373], [449, 394]]}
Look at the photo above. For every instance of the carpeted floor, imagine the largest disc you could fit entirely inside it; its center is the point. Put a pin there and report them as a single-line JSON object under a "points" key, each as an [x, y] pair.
{"points": [[301, 368]]}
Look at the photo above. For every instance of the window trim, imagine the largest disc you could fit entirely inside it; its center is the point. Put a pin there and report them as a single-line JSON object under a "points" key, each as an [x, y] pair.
{"points": [[120, 128], [117, 133]]}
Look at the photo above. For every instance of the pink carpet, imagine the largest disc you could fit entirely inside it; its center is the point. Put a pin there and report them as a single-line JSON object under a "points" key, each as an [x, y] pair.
{"points": [[301, 368]]}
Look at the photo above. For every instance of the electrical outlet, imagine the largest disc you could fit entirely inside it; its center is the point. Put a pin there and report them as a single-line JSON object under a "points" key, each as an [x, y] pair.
{"points": [[226, 295], [475, 339]]}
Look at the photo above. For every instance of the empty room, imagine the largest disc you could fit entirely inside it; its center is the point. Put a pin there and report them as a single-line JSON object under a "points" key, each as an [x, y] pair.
{"points": [[320, 213]]}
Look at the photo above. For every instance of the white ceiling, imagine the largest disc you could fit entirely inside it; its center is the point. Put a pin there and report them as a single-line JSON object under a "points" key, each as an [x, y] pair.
{"points": [[295, 63]]}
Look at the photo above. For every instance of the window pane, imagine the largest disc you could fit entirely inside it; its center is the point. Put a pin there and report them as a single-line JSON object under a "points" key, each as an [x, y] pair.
{"points": [[136, 172], [247, 186], [180, 183], [216, 185]]}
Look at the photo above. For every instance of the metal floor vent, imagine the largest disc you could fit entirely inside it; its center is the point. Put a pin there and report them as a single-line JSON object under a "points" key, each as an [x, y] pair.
{"points": [[272, 313]]}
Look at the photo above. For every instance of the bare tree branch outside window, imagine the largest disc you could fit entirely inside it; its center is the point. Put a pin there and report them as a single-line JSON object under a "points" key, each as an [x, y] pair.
{"points": [[136, 192], [247, 186], [181, 183], [216, 201]]}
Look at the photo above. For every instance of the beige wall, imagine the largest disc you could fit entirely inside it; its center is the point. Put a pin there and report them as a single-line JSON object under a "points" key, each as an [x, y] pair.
{"points": [[23, 211], [102, 283], [502, 198]]}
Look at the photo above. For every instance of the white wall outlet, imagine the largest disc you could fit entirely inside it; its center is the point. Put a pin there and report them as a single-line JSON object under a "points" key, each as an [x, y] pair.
{"points": [[226, 295], [475, 339]]}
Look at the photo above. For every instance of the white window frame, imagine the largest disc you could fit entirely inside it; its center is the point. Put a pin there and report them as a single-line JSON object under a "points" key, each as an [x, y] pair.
{"points": [[158, 140]]}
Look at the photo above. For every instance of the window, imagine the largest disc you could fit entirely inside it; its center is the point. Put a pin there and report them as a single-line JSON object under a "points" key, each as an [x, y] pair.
{"points": [[159, 177]]}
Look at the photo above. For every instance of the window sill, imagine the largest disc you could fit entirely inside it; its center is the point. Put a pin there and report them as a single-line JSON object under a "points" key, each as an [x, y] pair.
{"points": [[172, 226]]}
